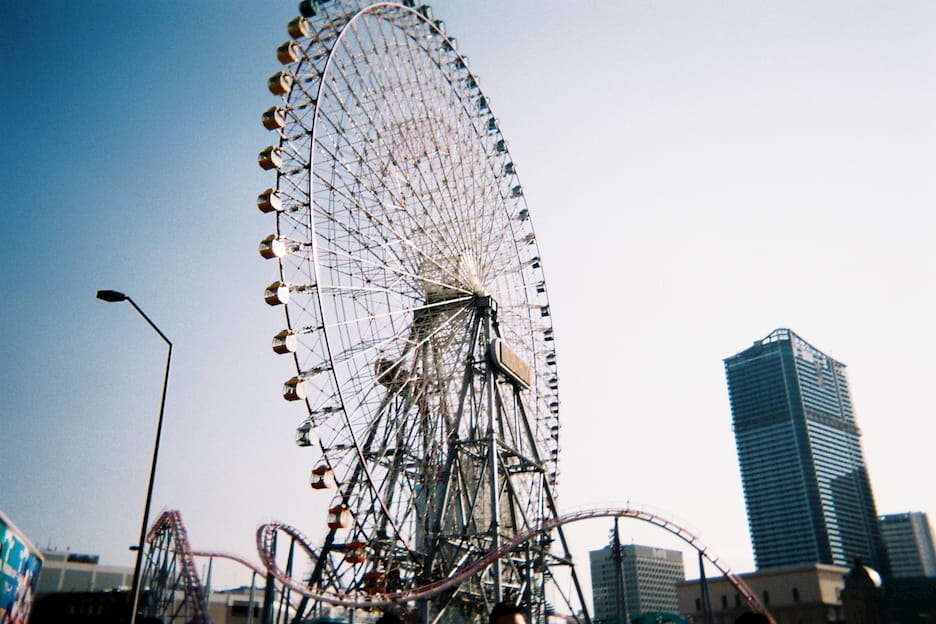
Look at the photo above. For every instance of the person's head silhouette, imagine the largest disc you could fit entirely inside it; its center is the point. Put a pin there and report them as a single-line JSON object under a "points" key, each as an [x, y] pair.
{"points": [[389, 618], [507, 613]]}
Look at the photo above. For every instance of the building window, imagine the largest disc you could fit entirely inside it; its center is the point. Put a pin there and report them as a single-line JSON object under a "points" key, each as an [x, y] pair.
{"points": [[766, 597], [724, 602], [698, 605], [795, 594]]}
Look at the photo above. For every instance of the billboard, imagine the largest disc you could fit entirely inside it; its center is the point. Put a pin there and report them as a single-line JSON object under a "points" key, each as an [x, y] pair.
{"points": [[20, 563]]}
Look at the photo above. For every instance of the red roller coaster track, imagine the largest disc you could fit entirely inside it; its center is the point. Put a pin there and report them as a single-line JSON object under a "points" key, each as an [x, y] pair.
{"points": [[170, 523], [267, 532]]}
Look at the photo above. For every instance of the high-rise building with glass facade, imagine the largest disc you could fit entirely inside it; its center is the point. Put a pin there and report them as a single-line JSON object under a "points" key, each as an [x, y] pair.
{"points": [[806, 486], [909, 543], [649, 576]]}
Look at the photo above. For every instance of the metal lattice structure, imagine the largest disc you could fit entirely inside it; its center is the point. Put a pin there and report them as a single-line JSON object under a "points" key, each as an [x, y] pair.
{"points": [[172, 589], [416, 311]]}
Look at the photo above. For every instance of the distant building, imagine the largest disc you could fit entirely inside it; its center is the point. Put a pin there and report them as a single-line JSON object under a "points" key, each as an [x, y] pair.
{"points": [[75, 588], [649, 575], [65, 571], [801, 594], [909, 543], [806, 486]]}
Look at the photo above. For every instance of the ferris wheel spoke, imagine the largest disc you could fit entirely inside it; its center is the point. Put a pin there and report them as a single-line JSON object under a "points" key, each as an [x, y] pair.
{"points": [[349, 357], [359, 181], [352, 200], [404, 105], [363, 265], [392, 245]]}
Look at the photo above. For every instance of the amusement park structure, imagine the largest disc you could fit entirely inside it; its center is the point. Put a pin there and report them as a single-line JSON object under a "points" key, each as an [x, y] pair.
{"points": [[416, 314], [178, 596], [419, 325]]}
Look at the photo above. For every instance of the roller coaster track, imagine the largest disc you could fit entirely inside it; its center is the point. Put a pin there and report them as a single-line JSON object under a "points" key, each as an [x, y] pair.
{"points": [[266, 538], [169, 543], [169, 538]]}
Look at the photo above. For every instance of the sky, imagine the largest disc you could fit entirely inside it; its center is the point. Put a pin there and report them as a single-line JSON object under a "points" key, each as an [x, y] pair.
{"points": [[698, 174]]}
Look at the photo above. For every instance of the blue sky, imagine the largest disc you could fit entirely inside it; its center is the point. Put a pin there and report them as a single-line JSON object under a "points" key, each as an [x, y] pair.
{"points": [[698, 173]]}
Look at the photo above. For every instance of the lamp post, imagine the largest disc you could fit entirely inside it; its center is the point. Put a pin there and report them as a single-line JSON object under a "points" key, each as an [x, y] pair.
{"points": [[112, 296]]}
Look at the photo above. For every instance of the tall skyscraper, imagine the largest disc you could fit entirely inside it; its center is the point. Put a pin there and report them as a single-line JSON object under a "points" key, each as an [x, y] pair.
{"points": [[649, 576], [806, 486], [909, 543]]}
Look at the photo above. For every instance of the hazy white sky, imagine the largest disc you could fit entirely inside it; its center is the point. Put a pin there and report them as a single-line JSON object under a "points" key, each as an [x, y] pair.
{"points": [[698, 174]]}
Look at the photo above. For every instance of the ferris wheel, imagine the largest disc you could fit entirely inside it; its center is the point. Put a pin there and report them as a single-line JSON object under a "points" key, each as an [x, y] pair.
{"points": [[416, 311]]}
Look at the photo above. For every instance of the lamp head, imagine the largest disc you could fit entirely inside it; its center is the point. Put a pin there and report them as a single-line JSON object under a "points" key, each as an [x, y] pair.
{"points": [[111, 296]]}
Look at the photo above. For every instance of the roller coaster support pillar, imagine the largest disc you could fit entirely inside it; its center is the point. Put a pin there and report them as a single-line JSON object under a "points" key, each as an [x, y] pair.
{"points": [[704, 590], [269, 596], [250, 598]]}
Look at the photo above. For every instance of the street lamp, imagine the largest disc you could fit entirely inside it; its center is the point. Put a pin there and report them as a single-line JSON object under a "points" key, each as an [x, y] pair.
{"points": [[112, 296]]}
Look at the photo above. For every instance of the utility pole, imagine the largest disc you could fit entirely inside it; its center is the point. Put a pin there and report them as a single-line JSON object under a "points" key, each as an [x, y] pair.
{"points": [[618, 557]]}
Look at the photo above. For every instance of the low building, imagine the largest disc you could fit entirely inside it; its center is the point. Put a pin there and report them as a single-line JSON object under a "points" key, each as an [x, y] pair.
{"points": [[76, 588], [65, 572], [112, 607], [796, 594]]}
